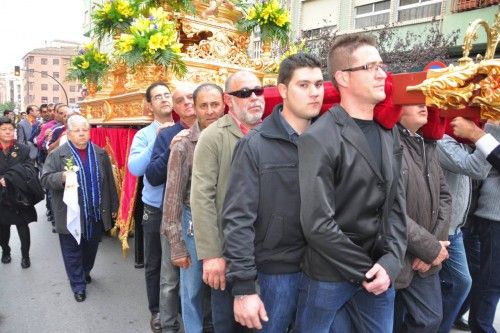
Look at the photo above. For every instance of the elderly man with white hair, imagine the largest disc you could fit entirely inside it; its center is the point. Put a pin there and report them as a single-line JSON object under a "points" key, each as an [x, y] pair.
{"points": [[84, 200]]}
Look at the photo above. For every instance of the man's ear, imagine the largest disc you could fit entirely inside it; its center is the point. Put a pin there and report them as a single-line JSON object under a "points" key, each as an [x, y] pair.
{"points": [[227, 100], [342, 78], [282, 89]]}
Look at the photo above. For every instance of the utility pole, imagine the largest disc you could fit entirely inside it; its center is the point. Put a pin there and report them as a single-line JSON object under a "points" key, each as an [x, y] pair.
{"points": [[17, 72]]}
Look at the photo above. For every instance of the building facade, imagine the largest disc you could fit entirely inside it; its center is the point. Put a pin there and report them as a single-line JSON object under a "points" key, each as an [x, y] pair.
{"points": [[342, 16], [10, 89], [41, 70]]}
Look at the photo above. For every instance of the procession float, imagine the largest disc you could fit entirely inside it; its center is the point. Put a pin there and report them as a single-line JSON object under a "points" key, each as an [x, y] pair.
{"points": [[201, 41]]}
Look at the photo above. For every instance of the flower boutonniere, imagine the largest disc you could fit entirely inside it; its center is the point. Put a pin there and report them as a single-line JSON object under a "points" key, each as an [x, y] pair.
{"points": [[70, 165], [14, 151], [13, 154]]}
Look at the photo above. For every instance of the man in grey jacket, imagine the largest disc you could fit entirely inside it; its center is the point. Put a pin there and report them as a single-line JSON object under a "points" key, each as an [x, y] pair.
{"points": [[97, 199]]}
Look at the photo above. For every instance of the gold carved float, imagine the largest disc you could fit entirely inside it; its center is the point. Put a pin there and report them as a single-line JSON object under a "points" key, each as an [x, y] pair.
{"points": [[212, 50], [470, 83]]}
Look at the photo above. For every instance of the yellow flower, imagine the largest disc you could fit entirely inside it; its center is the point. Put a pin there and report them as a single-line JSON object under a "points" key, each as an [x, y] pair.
{"points": [[157, 41], [125, 43], [251, 14], [85, 64], [140, 25], [266, 12], [158, 13], [124, 8], [106, 8], [282, 20]]}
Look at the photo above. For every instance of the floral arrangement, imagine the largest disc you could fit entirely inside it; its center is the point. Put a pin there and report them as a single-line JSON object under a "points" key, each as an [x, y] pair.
{"points": [[270, 17], [113, 16], [151, 39], [70, 165], [176, 5], [89, 66]]}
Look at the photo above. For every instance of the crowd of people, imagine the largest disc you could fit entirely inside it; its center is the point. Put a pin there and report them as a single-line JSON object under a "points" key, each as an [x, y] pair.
{"points": [[292, 223]]}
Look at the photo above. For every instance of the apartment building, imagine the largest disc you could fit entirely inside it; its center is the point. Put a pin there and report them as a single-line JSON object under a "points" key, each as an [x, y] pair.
{"points": [[351, 16], [44, 75], [10, 89]]}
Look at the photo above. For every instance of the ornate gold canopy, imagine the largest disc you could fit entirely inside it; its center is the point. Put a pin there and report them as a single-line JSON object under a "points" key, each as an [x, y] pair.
{"points": [[212, 49]]}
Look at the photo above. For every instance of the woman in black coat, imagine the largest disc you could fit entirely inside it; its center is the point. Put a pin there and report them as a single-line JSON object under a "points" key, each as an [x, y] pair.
{"points": [[16, 206]]}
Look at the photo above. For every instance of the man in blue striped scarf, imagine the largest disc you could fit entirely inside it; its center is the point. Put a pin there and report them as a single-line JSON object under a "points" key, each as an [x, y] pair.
{"points": [[97, 200]]}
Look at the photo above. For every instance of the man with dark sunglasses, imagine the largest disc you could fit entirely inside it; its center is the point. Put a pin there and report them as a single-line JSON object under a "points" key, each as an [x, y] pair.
{"points": [[263, 239], [352, 202], [211, 167]]}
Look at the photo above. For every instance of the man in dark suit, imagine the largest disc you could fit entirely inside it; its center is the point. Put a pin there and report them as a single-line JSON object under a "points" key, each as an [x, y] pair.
{"points": [[352, 204], [79, 164]]}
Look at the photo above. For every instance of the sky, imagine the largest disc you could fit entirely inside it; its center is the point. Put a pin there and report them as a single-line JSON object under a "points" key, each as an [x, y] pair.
{"points": [[28, 24]]}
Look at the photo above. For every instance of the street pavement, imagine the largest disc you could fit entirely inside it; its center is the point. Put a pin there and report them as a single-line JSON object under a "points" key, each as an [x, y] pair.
{"points": [[39, 299]]}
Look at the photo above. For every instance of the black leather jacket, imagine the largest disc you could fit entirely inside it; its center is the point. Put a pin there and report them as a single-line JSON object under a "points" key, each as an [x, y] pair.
{"points": [[261, 216], [352, 214]]}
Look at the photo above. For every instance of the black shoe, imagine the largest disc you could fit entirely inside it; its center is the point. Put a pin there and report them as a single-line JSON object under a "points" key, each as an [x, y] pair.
{"points": [[461, 325], [6, 258], [155, 323], [25, 262], [88, 278], [80, 297]]}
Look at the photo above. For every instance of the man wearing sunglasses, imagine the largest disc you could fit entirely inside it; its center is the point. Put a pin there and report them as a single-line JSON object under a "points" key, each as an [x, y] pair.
{"points": [[352, 204], [211, 166], [263, 240]]}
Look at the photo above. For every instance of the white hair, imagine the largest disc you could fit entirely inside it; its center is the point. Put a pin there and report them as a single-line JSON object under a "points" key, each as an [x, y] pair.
{"points": [[76, 119]]}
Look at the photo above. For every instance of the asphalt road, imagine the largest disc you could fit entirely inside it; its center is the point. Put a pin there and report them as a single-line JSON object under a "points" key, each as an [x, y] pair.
{"points": [[39, 299]]}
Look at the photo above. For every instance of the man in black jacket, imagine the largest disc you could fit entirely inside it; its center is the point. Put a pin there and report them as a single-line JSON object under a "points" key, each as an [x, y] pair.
{"points": [[263, 240], [352, 205]]}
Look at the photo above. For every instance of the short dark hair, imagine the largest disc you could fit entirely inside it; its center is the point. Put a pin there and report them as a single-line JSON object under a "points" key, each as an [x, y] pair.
{"points": [[149, 98], [50, 105], [7, 112], [293, 62], [30, 108], [6, 120], [43, 106], [206, 86], [341, 50]]}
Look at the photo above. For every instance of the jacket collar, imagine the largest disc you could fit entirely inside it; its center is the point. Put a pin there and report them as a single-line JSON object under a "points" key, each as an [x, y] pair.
{"points": [[228, 121], [272, 126], [194, 132]]}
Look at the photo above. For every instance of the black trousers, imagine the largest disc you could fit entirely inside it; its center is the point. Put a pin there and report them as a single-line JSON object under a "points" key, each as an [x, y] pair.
{"points": [[151, 221], [23, 231]]}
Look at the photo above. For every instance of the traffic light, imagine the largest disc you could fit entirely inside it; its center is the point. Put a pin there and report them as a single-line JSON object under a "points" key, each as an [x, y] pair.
{"points": [[17, 71]]}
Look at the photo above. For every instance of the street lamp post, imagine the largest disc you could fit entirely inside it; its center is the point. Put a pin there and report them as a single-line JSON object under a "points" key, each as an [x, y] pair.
{"points": [[17, 72]]}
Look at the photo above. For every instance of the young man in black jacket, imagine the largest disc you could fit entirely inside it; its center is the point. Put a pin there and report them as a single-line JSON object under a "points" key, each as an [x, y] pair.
{"points": [[263, 240], [352, 204]]}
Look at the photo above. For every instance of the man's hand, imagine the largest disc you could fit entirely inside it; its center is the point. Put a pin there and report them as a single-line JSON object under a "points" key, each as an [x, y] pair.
{"points": [[214, 272], [378, 279], [249, 311], [419, 265], [183, 262], [443, 253], [466, 129], [164, 125], [2, 182]]}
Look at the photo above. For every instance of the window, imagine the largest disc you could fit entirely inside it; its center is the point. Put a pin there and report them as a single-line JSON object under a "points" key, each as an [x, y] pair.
{"points": [[72, 88], [315, 33], [55, 100], [44, 73], [417, 9], [72, 100], [79, 87], [55, 87], [55, 75], [80, 99], [32, 98], [55, 61], [32, 72], [372, 14], [43, 61], [32, 59], [45, 86], [45, 99], [31, 85]]}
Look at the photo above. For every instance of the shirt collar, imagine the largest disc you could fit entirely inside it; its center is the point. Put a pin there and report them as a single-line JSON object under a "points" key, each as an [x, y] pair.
{"points": [[292, 134], [244, 129]]}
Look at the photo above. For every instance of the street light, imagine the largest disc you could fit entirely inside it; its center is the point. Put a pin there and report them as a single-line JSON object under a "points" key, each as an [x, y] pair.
{"points": [[17, 72]]}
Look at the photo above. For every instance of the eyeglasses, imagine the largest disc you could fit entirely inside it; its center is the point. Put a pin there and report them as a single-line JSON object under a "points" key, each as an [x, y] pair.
{"points": [[372, 67], [159, 97], [245, 92]]}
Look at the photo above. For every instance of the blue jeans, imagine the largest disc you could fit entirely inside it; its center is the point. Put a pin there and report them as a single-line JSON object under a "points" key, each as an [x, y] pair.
{"points": [[192, 286], [321, 305], [486, 287], [279, 293], [418, 307], [455, 281]]}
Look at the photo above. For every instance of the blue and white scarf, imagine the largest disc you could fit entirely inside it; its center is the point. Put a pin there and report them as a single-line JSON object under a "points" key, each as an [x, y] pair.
{"points": [[89, 189]]}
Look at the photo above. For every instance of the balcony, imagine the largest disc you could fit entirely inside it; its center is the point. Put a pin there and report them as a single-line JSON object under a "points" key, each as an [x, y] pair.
{"points": [[463, 5]]}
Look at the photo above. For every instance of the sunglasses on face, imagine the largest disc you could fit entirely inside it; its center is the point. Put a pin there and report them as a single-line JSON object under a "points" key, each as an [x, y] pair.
{"points": [[245, 92]]}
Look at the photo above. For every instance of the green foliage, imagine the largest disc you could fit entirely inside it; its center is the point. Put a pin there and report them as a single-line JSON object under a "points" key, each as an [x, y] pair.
{"points": [[89, 65], [7, 106]]}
